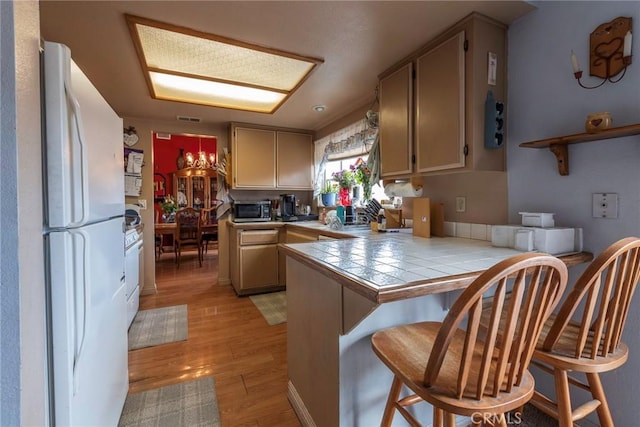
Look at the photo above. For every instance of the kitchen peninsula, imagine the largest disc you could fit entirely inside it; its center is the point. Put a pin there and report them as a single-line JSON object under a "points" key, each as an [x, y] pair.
{"points": [[341, 291]]}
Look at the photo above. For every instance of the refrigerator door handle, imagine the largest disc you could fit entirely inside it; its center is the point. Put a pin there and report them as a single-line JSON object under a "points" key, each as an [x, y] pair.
{"points": [[77, 118], [79, 343]]}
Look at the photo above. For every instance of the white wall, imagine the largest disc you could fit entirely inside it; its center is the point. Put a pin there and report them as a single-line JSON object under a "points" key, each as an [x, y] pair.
{"points": [[145, 128], [546, 101]]}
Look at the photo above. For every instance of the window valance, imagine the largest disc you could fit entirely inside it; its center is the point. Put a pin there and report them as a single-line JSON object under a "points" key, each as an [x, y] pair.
{"points": [[351, 141]]}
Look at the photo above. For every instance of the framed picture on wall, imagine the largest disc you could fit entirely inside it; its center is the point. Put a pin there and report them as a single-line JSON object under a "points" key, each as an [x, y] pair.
{"points": [[159, 187]]}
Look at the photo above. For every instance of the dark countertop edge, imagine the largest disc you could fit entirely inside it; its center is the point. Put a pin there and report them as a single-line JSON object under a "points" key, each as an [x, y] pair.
{"points": [[256, 225], [361, 286], [296, 225], [327, 231], [409, 289]]}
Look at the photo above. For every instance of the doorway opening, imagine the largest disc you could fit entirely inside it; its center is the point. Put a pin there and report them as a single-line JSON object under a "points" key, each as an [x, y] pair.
{"points": [[185, 176]]}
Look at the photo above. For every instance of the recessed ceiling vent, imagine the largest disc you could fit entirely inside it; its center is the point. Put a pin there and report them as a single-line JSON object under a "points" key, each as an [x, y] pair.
{"points": [[166, 136], [189, 119]]}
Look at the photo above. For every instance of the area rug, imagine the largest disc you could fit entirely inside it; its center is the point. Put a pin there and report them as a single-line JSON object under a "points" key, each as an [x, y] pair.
{"points": [[273, 306], [533, 417], [158, 326], [188, 404]]}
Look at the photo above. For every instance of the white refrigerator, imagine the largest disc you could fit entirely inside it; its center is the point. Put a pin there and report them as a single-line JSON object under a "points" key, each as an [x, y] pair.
{"points": [[84, 244]]}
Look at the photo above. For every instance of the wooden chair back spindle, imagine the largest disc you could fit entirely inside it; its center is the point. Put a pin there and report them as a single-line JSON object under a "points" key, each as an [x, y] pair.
{"points": [[603, 293], [535, 283], [187, 232]]}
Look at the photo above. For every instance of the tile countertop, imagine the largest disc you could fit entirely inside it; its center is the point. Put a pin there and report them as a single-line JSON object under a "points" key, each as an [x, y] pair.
{"points": [[387, 267]]}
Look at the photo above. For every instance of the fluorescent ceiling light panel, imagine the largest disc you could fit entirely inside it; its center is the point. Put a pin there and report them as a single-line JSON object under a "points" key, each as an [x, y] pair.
{"points": [[185, 65]]}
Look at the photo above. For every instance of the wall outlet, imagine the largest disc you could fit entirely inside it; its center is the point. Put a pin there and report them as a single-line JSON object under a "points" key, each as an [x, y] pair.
{"points": [[461, 204], [142, 203], [605, 205]]}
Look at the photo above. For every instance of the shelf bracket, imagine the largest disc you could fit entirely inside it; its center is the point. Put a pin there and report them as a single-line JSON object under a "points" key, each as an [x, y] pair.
{"points": [[561, 151]]}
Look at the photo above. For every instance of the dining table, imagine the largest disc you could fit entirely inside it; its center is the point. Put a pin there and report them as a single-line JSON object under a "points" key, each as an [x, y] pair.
{"points": [[162, 229]]}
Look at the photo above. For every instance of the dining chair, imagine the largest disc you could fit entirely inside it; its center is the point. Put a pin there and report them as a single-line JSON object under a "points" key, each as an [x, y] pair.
{"points": [[585, 335], [209, 223], [448, 365], [159, 241], [187, 232]]}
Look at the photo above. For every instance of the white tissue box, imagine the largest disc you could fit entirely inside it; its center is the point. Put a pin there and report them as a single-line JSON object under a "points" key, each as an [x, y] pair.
{"points": [[537, 219], [554, 241], [504, 236], [524, 240]]}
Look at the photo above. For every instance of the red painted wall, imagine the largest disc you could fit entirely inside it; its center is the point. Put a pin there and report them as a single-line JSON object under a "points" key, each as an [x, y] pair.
{"points": [[166, 151]]}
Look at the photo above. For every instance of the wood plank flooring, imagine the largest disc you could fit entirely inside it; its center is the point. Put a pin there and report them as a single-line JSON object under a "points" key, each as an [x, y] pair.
{"points": [[228, 339]]}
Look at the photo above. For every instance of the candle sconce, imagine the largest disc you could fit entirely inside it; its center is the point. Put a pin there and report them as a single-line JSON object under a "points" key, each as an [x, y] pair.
{"points": [[609, 52]]}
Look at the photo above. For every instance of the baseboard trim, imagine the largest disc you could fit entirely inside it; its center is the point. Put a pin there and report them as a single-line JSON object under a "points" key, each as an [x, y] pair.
{"points": [[148, 291], [298, 406]]}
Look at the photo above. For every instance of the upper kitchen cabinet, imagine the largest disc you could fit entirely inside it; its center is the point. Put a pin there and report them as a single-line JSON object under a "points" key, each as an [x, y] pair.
{"points": [[294, 165], [253, 155], [439, 136], [432, 104], [396, 122], [266, 158]]}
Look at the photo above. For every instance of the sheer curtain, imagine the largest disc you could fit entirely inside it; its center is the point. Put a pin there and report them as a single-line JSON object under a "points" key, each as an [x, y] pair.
{"points": [[351, 141]]}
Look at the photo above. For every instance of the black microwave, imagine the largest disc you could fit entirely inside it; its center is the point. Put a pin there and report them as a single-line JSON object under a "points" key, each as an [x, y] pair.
{"points": [[252, 211]]}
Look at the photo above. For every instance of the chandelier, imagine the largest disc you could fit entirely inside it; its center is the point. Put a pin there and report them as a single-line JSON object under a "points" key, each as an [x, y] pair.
{"points": [[202, 160]]}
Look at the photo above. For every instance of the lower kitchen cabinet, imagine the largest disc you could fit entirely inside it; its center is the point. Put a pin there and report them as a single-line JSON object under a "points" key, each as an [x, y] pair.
{"points": [[293, 236], [254, 260]]}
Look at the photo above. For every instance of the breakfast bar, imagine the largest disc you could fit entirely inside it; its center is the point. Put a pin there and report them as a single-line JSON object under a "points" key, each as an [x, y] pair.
{"points": [[339, 292]]}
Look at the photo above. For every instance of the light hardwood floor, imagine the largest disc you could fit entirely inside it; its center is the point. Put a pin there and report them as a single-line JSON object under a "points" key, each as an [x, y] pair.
{"points": [[228, 339]]}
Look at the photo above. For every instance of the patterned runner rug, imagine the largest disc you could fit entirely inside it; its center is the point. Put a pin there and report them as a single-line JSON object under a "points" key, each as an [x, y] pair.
{"points": [[188, 404], [273, 306], [158, 326]]}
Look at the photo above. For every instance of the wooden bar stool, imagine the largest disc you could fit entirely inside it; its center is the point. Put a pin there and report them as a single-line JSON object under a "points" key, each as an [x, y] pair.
{"points": [[591, 344], [457, 371]]}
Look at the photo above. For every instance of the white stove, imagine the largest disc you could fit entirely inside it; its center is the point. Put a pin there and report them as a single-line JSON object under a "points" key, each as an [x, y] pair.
{"points": [[132, 256], [131, 236]]}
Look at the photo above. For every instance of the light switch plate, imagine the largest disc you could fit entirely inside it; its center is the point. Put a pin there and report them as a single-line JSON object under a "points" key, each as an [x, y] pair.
{"points": [[492, 67], [605, 205]]}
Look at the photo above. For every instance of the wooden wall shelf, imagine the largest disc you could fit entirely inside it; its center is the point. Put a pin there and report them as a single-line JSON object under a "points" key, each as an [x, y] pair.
{"points": [[559, 145]]}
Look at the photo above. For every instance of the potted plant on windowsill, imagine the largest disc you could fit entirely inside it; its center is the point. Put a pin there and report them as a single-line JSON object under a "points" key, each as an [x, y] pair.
{"points": [[346, 181], [328, 193]]}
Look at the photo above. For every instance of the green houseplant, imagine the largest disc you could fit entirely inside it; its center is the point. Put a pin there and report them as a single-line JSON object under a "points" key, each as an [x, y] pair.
{"points": [[362, 176], [328, 193], [169, 207]]}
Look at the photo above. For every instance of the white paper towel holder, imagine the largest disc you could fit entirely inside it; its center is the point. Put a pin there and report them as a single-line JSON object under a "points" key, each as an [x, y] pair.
{"points": [[403, 189]]}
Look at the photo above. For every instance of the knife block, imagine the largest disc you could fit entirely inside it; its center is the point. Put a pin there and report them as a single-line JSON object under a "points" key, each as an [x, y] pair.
{"points": [[393, 217]]}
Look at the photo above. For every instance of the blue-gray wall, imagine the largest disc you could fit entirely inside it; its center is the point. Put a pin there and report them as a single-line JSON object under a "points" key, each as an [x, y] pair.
{"points": [[546, 101], [9, 291], [23, 378]]}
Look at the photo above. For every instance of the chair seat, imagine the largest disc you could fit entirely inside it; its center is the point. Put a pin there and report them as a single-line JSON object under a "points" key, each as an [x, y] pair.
{"points": [[563, 354], [405, 350]]}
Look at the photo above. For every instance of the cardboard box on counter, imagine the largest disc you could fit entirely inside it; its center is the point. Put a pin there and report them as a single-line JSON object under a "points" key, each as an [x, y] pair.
{"points": [[393, 217], [421, 217]]}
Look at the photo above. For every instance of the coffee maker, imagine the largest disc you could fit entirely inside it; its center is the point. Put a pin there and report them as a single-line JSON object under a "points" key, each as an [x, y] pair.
{"points": [[288, 207]]}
